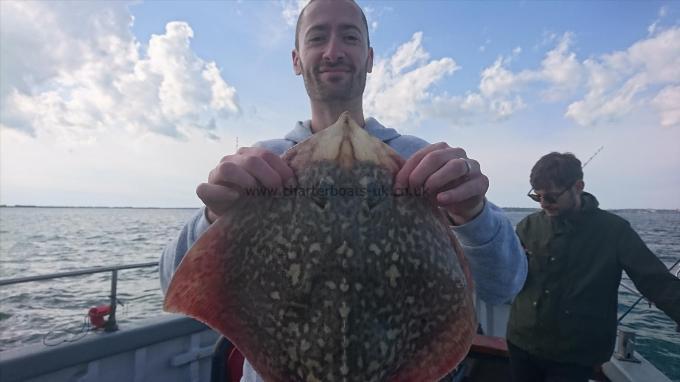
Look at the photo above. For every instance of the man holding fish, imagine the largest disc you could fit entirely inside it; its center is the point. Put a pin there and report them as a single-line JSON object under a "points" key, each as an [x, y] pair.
{"points": [[333, 55]]}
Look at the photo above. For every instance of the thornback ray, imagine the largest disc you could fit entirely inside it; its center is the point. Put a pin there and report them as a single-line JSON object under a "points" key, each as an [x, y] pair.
{"points": [[339, 279]]}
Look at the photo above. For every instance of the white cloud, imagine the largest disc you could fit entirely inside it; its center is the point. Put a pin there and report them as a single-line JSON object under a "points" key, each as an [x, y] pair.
{"points": [[599, 89], [559, 70], [398, 92], [84, 73], [622, 81], [371, 18], [291, 10], [409, 54], [652, 28], [501, 90], [602, 89], [667, 103], [595, 108], [399, 85], [456, 110], [497, 79], [505, 107]]}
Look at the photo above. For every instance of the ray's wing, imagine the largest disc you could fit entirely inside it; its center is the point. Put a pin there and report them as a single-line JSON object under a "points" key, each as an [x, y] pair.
{"points": [[238, 279], [228, 279], [440, 292], [203, 286]]}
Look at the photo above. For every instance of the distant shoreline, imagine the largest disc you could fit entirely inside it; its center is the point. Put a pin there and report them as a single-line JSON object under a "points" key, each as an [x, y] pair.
{"points": [[507, 209], [99, 207]]}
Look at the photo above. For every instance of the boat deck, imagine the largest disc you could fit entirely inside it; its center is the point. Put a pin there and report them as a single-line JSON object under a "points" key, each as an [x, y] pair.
{"points": [[176, 348]]}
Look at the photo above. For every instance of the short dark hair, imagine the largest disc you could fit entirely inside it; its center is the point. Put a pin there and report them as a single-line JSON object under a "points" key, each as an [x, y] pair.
{"points": [[297, 25], [556, 169]]}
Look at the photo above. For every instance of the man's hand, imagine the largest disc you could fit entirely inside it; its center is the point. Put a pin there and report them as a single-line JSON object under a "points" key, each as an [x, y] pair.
{"points": [[446, 172], [249, 168]]}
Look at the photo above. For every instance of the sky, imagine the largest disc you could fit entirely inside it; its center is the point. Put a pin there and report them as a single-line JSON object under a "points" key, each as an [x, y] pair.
{"points": [[133, 103]]}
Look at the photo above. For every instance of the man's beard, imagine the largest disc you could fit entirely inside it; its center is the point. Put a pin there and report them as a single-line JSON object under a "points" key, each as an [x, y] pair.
{"points": [[571, 209], [321, 90]]}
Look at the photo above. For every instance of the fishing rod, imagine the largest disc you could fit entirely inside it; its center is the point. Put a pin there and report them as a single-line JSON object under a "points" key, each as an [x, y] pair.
{"points": [[583, 165], [642, 297], [592, 156]]}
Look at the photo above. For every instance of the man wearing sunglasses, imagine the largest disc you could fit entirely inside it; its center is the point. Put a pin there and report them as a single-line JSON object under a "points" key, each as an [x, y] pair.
{"points": [[563, 322]]}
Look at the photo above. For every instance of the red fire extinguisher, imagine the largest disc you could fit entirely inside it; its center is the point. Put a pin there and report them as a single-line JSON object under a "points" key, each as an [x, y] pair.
{"points": [[97, 315]]}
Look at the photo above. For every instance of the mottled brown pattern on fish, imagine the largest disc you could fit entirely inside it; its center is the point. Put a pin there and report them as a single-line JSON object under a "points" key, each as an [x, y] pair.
{"points": [[349, 284], [339, 288]]}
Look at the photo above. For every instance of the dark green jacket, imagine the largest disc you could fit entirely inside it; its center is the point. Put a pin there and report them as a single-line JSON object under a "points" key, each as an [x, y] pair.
{"points": [[567, 310]]}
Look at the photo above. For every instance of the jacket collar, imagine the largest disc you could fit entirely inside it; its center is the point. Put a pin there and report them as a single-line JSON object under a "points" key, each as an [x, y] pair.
{"points": [[303, 131], [589, 202], [567, 223]]}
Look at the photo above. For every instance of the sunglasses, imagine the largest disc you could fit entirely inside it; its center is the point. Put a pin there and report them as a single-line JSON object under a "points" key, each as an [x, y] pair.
{"points": [[550, 198]]}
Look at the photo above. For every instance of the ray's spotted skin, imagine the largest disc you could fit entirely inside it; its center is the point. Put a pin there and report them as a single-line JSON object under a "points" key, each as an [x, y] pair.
{"points": [[357, 285]]}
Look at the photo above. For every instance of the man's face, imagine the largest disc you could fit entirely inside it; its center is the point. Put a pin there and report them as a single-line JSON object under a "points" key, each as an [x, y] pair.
{"points": [[333, 55], [557, 201]]}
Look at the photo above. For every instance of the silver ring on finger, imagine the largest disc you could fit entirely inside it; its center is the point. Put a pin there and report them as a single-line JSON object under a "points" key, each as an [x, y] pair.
{"points": [[468, 168]]}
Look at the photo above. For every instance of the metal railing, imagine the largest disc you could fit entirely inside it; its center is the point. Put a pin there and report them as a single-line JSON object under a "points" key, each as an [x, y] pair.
{"points": [[111, 324], [640, 296]]}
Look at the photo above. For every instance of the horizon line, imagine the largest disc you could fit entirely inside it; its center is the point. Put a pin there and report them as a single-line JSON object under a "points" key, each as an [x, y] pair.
{"points": [[197, 207]]}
